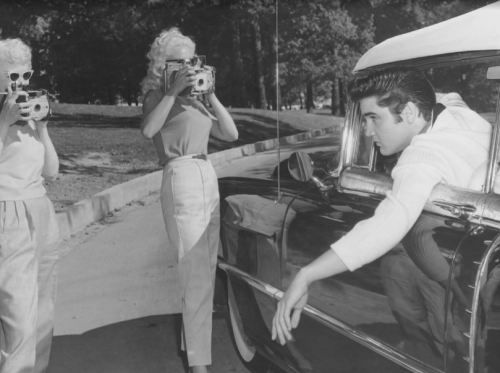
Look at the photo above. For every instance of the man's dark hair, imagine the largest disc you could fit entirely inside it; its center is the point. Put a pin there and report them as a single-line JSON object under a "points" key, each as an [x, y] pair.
{"points": [[394, 88]]}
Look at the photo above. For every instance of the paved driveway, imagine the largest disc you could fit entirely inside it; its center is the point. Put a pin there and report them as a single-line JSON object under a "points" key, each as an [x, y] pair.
{"points": [[118, 307]]}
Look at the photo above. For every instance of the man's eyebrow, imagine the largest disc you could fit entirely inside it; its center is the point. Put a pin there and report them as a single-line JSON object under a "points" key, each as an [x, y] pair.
{"points": [[369, 113]]}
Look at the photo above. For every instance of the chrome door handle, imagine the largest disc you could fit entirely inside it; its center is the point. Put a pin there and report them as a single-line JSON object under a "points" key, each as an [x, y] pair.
{"points": [[461, 211]]}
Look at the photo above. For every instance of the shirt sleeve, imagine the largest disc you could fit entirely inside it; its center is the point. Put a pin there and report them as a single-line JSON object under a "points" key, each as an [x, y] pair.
{"points": [[393, 218]]}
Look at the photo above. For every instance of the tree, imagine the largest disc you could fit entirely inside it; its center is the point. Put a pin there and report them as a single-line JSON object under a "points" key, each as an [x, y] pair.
{"points": [[95, 50], [321, 43]]}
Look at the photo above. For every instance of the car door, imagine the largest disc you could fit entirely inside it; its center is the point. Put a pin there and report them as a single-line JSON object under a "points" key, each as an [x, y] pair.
{"points": [[408, 311]]}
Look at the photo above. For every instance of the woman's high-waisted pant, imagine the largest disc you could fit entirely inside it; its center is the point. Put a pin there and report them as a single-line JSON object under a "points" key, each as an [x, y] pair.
{"points": [[28, 281], [190, 204]]}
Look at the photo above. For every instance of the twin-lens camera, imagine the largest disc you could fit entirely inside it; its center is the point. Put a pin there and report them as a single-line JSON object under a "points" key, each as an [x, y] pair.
{"points": [[205, 75]]}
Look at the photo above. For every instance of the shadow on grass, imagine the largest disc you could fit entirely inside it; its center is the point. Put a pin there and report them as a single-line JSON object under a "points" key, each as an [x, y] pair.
{"points": [[328, 114], [253, 127], [94, 121]]}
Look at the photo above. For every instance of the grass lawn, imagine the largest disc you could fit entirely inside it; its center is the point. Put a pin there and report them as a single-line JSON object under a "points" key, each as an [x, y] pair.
{"points": [[100, 146]]}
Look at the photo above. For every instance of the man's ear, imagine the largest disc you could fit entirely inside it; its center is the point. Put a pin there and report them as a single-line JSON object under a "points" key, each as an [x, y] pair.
{"points": [[411, 112]]}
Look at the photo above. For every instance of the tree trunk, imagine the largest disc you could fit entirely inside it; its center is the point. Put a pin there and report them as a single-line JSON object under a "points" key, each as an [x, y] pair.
{"points": [[128, 93], [262, 102], [309, 97], [111, 97], [336, 97], [343, 94], [238, 89]]}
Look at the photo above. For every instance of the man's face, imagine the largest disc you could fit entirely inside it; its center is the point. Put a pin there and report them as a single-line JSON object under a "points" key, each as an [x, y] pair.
{"points": [[380, 124], [9, 68]]}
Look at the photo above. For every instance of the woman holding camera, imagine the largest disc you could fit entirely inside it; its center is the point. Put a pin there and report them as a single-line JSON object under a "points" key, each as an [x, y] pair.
{"points": [[28, 226], [180, 127]]}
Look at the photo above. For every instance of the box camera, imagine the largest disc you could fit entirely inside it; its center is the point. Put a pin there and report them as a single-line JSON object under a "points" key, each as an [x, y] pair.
{"points": [[40, 104], [205, 75]]}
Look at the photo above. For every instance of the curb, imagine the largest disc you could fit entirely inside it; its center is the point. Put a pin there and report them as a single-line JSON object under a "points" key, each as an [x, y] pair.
{"points": [[73, 219]]}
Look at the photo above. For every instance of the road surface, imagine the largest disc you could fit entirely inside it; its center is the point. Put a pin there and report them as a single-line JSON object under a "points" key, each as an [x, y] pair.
{"points": [[118, 306]]}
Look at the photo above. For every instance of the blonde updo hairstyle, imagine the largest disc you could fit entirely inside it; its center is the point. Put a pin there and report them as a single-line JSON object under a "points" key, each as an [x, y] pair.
{"points": [[160, 49], [15, 51]]}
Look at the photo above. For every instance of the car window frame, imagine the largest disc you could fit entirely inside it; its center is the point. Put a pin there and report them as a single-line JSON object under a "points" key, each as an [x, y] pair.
{"points": [[353, 123]]}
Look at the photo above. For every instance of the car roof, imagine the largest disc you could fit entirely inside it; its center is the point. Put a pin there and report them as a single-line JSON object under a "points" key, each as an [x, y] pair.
{"points": [[467, 37]]}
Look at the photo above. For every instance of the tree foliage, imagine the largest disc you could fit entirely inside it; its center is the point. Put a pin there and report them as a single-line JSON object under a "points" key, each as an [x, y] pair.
{"points": [[94, 51]]}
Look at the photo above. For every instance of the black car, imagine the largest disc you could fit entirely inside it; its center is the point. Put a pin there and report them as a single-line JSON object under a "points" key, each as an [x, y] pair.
{"points": [[283, 203]]}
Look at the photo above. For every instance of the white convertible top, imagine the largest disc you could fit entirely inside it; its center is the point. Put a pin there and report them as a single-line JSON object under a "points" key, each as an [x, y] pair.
{"points": [[478, 30]]}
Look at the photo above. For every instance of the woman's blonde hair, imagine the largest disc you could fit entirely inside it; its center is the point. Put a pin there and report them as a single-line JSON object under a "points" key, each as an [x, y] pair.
{"points": [[160, 48], [15, 51]]}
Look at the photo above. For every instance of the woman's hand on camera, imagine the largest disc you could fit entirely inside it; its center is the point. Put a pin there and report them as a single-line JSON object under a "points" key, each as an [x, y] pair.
{"points": [[12, 111], [184, 78]]}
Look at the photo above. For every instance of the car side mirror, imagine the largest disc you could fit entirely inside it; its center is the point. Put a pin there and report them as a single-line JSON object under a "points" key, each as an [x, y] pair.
{"points": [[493, 73], [301, 166]]}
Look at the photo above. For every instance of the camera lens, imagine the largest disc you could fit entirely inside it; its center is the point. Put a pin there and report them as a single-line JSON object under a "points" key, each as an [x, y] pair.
{"points": [[200, 81], [37, 107]]}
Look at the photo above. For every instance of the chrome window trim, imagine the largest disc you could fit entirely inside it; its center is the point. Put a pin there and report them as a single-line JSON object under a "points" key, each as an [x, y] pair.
{"points": [[492, 162], [351, 140], [479, 284], [348, 147], [373, 344]]}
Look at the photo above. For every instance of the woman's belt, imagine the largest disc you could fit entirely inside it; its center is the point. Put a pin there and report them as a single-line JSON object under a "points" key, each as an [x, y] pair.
{"points": [[189, 156]]}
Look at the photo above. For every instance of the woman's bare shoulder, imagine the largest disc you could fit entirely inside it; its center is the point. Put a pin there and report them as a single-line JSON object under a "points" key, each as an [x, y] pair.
{"points": [[151, 99], [153, 94]]}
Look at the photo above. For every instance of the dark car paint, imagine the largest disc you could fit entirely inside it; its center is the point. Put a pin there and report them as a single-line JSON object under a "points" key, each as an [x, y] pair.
{"points": [[321, 219]]}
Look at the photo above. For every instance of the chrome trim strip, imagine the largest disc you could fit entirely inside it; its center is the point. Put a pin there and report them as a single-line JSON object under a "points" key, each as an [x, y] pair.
{"points": [[482, 271], [488, 186], [373, 157], [373, 344], [348, 139]]}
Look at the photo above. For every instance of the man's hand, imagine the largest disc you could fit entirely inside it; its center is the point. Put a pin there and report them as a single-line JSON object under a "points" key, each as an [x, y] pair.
{"points": [[295, 298]]}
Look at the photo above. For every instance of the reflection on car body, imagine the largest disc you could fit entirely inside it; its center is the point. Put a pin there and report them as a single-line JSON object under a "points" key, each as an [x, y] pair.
{"points": [[401, 312]]}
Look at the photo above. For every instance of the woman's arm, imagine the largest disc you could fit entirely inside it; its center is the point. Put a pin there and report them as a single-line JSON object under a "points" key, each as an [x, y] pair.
{"points": [[51, 161], [224, 128], [155, 111], [4, 128], [10, 113]]}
